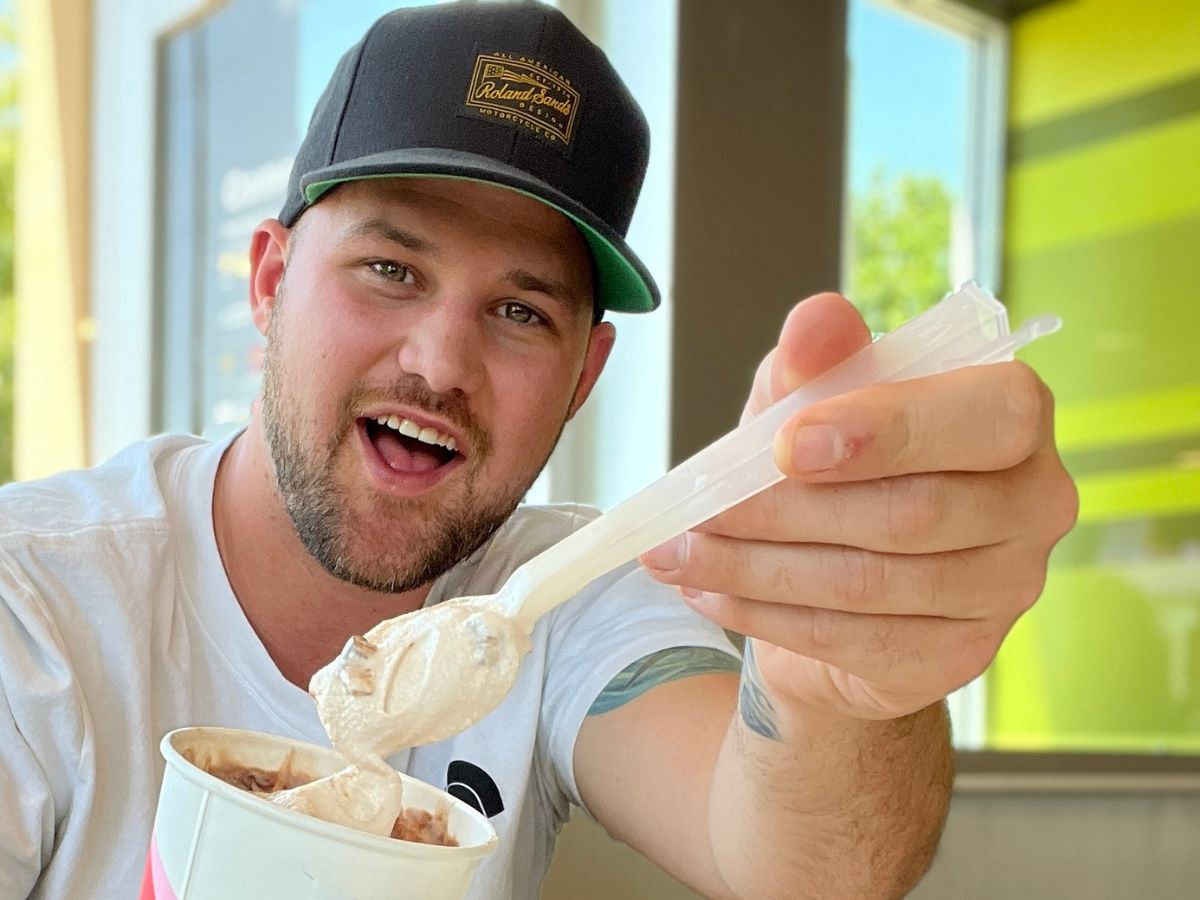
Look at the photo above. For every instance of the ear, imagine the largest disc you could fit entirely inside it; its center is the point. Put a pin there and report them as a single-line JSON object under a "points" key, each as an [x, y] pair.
{"points": [[600, 344], [268, 253]]}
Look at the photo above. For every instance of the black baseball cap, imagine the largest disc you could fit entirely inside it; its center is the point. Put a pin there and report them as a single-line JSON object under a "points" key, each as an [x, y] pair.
{"points": [[511, 94]]}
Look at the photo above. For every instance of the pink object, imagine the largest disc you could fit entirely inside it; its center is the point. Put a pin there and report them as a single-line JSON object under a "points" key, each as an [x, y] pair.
{"points": [[155, 885]]}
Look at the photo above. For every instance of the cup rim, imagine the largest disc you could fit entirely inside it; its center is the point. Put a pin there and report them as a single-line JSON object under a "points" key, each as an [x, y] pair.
{"points": [[302, 821]]}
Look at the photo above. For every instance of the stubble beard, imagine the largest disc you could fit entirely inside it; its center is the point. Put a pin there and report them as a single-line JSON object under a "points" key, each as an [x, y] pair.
{"points": [[353, 546]]}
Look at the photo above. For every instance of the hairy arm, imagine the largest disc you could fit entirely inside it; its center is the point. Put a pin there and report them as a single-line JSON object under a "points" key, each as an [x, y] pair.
{"points": [[744, 798], [808, 804]]}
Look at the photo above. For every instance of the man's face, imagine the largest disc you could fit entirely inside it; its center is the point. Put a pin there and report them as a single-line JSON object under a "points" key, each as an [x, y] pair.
{"points": [[427, 342]]}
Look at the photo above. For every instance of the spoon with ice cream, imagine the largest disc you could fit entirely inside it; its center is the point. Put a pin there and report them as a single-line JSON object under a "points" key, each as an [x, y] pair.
{"points": [[432, 673]]}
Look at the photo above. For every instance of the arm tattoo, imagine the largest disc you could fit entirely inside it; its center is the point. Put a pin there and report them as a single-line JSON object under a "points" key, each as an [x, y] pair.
{"points": [[659, 668], [757, 710]]}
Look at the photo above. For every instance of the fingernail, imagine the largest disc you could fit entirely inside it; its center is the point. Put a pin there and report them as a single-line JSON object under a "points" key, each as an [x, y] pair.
{"points": [[689, 593], [817, 447], [668, 556]]}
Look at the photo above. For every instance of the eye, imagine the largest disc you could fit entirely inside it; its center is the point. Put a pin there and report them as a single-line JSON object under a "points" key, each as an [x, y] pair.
{"points": [[393, 271], [521, 314]]}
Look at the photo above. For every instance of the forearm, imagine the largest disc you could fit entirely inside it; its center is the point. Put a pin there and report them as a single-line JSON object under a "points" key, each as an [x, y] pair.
{"points": [[828, 806]]}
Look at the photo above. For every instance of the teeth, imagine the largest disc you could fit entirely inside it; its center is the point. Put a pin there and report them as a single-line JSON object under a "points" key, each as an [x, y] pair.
{"points": [[409, 428]]}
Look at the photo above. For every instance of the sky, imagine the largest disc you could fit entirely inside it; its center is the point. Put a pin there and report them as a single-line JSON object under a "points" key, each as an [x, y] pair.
{"points": [[908, 97]]}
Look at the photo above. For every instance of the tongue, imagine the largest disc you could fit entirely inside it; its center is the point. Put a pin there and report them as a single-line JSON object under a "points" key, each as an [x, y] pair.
{"points": [[405, 455]]}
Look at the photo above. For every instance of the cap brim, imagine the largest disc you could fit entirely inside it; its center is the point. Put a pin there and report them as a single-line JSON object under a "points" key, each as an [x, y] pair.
{"points": [[624, 283]]}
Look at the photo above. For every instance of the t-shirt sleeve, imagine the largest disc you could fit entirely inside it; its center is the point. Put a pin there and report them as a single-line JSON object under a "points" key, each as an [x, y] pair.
{"points": [[616, 621], [40, 736]]}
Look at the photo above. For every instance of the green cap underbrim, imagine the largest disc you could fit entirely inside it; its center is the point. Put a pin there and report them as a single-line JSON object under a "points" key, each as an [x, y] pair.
{"points": [[620, 286]]}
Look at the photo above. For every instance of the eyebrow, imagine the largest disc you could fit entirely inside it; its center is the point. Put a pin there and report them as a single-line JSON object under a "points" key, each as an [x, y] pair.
{"points": [[525, 280], [389, 232]]}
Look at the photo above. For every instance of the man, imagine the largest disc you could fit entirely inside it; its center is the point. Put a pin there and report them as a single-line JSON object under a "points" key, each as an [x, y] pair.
{"points": [[432, 296]]}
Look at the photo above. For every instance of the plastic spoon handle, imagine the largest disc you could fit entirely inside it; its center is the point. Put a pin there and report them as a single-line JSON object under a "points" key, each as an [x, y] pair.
{"points": [[741, 463], [1003, 348]]}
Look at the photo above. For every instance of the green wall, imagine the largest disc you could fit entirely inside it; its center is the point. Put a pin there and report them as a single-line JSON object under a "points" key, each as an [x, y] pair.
{"points": [[1103, 227]]}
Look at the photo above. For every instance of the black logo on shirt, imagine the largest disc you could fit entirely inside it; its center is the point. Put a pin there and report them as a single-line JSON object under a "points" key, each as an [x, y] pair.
{"points": [[474, 787]]}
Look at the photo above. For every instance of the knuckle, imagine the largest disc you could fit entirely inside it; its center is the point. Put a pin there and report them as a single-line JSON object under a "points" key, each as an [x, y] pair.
{"points": [[1021, 591], [821, 629], [1027, 402], [914, 507], [732, 614], [782, 582], [724, 568], [1015, 595], [856, 577], [882, 641], [1067, 506], [931, 583], [1052, 499], [1032, 591], [977, 647]]}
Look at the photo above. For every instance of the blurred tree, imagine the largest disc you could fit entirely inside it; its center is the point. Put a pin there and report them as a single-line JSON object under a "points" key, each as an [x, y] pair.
{"points": [[9, 81], [899, 248]]}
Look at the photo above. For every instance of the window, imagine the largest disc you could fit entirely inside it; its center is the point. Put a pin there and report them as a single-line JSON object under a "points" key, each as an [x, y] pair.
{"points": [[924, 176], [225, 154]]}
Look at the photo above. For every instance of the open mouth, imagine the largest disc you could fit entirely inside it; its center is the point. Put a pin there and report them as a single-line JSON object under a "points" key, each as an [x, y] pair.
{"points": [[407, 447]]}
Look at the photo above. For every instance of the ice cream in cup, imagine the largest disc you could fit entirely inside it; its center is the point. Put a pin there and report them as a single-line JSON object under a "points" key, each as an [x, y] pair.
{"points": [[216, 838]]}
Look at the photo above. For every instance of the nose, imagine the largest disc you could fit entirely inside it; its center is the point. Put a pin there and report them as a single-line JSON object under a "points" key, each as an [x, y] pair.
{"points": [[443, 346]]}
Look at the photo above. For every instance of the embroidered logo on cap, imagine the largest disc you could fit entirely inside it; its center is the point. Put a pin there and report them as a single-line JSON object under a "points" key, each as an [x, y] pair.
{"points": [[526, 92]]}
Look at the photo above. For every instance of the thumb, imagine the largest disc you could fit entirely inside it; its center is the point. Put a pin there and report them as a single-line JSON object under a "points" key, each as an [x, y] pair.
{"points": [[818, 334]]}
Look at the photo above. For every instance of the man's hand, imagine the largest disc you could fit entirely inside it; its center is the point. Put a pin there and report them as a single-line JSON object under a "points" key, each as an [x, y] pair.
{"points": [[912, 531]]}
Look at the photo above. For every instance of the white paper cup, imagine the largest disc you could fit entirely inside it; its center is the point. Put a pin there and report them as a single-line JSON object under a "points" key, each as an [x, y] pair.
{"points": [[213, 841]]}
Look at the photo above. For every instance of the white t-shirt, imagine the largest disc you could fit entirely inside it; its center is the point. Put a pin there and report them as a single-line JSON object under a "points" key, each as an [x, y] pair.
{"points": [[117, 625]]}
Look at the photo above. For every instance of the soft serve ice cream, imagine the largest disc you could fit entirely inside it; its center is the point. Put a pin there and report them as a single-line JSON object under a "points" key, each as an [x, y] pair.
{"points": [[412, 680]]}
